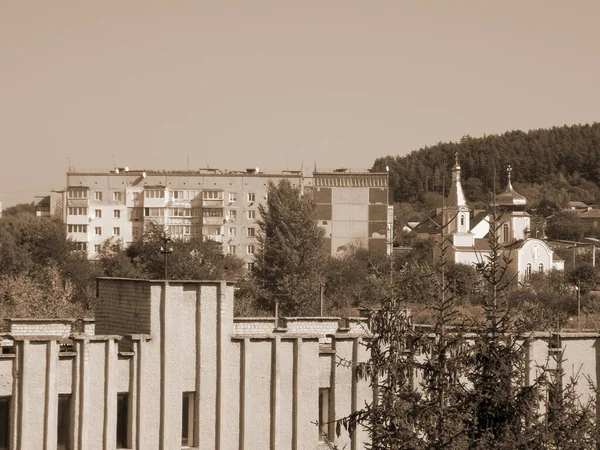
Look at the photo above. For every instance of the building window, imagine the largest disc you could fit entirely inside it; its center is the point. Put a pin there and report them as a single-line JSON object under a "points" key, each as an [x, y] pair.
{"points": [[98, 213], [191, 195], [232, 197], [528, 271], [250, 265], [462, 220], [154, 212], [122, 420], [116, 231], [251, 232], [505, 232], [232, 215], [154, 193], [77, 228], [231, 232], [97, 248], [180, 229], [187, 419], [181, 212], [136, 233], [212, 212], [117, 213], [98, 196], [212, 195], [251, 196], [250, 249], [117, 196], [177, 195], [4, 422], [78, 193], [324, 414], [98, 231], [77, 211], [63, 419], [231, 249], [251, 214], [80, 245], [541, 268]]}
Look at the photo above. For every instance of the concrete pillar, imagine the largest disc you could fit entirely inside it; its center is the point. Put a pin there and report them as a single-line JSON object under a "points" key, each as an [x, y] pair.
{"points": [[245, 387], [51, 403], [109, 431], [275, 392]]}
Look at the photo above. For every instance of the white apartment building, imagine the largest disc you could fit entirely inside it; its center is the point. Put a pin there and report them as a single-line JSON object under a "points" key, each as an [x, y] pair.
{"points": [[219, 205]]}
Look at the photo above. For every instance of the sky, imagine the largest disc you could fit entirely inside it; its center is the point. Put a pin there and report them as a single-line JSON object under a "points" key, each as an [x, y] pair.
{"points": [[278, 84]]}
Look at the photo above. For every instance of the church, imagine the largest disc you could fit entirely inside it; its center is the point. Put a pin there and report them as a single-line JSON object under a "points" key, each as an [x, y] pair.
{"points": [[467, 231]]}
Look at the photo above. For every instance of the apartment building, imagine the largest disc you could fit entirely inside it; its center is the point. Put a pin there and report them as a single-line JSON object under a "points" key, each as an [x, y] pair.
{"points": [[220, 205], [354, 208]]}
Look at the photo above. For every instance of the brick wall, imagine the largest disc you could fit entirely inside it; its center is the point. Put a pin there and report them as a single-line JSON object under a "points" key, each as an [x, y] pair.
{"points": [[41, 327], [253, 325], [317, 325], [123, 307]]}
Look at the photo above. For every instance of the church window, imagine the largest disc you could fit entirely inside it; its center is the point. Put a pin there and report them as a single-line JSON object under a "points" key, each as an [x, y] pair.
{"points": [[528, 271], [462, 220], [505, 232], [541, 268]]}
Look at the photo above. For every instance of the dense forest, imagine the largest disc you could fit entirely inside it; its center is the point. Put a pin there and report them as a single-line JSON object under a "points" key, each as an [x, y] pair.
{"points": [[549, 165]]}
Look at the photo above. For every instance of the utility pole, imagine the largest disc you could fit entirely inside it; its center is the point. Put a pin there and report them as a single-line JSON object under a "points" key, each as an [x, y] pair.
{"points": [[578, 288], [165, 250]]}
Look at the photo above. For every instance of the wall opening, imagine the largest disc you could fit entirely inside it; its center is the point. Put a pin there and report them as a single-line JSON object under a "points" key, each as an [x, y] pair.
{"points": [[122, 420], [63, 432], [187, 419], [324, 414], [4, 422]]}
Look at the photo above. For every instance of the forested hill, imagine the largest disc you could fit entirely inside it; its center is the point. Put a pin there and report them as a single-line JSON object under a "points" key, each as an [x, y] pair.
{"points": [[558, 164]]}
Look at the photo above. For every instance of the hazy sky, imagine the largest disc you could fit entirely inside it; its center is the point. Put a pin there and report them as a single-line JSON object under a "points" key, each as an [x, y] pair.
{"points": [[277, 83]]}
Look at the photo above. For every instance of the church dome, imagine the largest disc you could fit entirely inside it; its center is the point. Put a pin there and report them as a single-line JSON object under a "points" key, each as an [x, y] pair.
{"points": [[510, 197]]}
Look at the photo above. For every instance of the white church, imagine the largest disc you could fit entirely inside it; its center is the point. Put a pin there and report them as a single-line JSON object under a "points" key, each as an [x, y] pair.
{"points": [[467, 231]]}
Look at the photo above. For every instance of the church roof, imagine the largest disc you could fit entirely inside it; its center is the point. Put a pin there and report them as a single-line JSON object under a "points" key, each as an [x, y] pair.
{"points": [[510, 197], [456, 196]]}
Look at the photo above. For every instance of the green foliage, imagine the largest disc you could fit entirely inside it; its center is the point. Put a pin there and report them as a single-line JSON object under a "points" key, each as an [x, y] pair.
{"points": [[565, 225], [291, 252], [558, 165], [453, 387], [193, 259], [41, 274], [19, 208]]}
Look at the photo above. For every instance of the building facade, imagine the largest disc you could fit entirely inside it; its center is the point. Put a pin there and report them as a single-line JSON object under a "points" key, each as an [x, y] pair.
{"points": [[166, 366], [218, 205]]}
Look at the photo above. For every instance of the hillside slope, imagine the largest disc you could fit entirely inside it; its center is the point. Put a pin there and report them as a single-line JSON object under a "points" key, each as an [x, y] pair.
{"points": [[556, 165]]}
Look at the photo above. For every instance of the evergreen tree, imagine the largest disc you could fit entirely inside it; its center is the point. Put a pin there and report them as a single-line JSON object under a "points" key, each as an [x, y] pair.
{"points": [[291, 251]]}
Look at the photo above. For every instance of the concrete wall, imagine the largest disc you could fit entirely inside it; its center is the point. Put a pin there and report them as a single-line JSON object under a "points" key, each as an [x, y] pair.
{"points": [[256, 386]]}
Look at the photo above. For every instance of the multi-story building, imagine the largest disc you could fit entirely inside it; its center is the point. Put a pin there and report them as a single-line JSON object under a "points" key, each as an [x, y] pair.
{"points": [[219, 205], [353, 208]]}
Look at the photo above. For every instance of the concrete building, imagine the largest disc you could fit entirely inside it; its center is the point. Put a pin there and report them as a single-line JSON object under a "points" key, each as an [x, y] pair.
{"points": [[219, 205], [168, 367], [354, 209]]}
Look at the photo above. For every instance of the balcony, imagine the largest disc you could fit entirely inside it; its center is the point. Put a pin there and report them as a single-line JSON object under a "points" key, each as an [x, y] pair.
{"points": [[213, 203], [213, 220], [215, 237]]}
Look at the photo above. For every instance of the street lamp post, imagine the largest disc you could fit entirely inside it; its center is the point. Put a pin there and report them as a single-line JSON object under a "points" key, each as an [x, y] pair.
{"points": [[578, 289], [165, 250]]}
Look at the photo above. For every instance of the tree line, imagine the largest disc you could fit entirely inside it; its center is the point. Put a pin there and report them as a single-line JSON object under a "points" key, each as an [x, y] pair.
{"points": [[555, 165]]}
